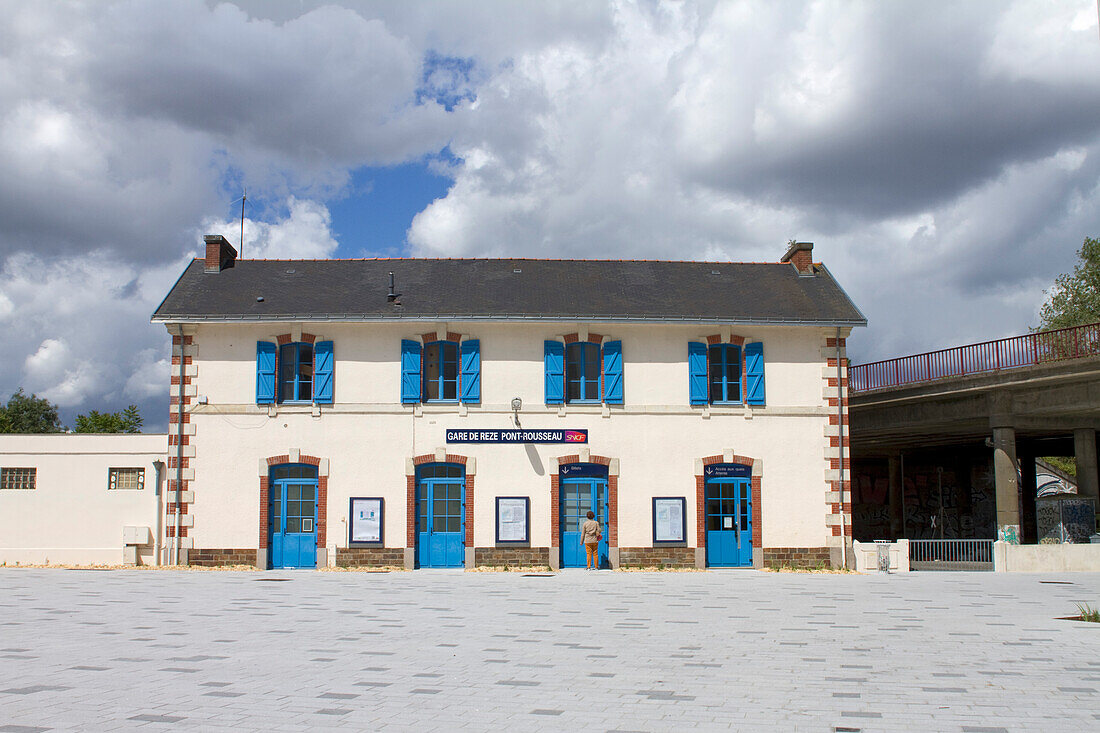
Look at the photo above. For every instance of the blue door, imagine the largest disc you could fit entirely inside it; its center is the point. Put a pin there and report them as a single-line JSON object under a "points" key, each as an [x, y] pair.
{"points": [[441, 516], [578, 497], [729, 522], [293, 522]]}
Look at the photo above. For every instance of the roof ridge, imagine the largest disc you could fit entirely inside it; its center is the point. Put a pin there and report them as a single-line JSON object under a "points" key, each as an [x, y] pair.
{"points": [[502, 259]]}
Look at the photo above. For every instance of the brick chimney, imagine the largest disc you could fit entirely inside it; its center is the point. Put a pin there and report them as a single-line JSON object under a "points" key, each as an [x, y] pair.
{"points": [[800, 254], [220, 254]]}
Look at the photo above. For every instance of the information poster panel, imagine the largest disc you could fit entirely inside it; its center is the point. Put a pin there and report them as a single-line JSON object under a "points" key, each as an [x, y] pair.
{"points": [[512, 519], [366, 516], [668, 519]]}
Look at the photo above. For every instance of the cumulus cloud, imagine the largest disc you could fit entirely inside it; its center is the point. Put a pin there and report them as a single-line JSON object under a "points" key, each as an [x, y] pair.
{"points": [[302, 232], [943, 158]]}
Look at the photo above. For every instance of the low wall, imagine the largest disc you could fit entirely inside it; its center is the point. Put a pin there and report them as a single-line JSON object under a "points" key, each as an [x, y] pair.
{"points": [[796, 557], [498, 557], [222, 556], [1046, 558], [657, 557], [369, 557], [866, 555]]}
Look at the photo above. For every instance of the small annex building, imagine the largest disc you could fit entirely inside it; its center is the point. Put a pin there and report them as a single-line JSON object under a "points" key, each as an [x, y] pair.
{"points": [[457, 413]]}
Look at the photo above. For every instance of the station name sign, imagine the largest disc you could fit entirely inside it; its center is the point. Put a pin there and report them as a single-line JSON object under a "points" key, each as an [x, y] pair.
{"points": [[517, 436]]}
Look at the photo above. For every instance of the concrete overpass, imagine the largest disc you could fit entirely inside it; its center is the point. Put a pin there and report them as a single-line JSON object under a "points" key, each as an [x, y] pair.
{"points": [[1000, 403]]}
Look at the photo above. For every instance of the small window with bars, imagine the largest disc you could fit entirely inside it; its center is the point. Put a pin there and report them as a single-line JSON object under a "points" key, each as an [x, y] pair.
{"points": [[18, 478], [126, 478]]}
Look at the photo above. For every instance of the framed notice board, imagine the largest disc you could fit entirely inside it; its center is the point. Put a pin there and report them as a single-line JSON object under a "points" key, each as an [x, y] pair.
{"points": [[513, 519], [669, 519], [366, 520]]}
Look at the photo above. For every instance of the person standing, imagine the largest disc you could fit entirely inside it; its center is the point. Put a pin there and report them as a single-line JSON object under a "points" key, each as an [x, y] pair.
{"points": [[590, 538]]}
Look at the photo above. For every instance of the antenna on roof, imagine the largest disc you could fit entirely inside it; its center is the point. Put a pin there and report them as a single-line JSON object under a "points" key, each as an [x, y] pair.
{"points": [[244, 197]]}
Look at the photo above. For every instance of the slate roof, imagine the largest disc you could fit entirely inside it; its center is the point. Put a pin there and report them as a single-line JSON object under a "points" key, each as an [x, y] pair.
{"points": [[509, 289]]}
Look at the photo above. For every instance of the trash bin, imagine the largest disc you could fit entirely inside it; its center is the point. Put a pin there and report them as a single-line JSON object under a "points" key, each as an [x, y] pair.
{"points": [[882, 549]]}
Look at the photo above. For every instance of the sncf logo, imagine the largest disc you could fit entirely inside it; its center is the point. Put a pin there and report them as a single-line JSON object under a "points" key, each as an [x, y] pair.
{"points": [[575, 436]]}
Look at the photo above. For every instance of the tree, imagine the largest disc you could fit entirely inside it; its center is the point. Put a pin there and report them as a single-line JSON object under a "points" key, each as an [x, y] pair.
{"points": [[1075, 297], [123, 421], [32, 414]]}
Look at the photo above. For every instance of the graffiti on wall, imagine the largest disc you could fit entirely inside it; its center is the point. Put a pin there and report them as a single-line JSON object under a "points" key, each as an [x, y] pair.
{"points": [[1068, 519], [955, 504]]}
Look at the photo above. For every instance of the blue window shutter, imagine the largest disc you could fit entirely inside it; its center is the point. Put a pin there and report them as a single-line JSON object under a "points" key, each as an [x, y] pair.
{"points": [[554, 360], [324, 372], [265, 373], [697, 372], [471, 370], [613, 372], [754, 373], [410, 371]]}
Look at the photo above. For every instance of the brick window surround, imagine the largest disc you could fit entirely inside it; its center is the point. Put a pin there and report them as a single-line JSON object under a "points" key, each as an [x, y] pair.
{"points": [[612, 500], [701, 500], [410, 497], [322, 498]]}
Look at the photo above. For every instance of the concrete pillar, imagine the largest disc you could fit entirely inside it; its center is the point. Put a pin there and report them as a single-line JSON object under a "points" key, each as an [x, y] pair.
{"points": [[1029, 528], [1008, 490], [895, 497], [1084, 450]]}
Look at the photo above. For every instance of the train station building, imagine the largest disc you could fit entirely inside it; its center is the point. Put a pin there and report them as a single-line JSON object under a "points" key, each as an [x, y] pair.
{"points": [[435, 413]]}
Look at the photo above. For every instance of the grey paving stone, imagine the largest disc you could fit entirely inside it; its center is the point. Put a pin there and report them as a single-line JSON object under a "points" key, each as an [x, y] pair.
{"points": [[441, 644]]}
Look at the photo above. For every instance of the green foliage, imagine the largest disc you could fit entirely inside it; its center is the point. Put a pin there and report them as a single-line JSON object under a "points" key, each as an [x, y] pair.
{"points": [[1066, 465], [32, 414], [1088, 613], [123, 421], [1075, 297]]}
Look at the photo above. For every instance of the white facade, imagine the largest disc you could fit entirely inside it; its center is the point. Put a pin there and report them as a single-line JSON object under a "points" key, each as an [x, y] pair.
{"points": [[365, 443], [73, 515]]}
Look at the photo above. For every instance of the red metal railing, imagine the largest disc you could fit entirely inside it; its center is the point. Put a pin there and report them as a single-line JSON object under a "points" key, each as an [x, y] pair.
{"points": [[990, 356]]}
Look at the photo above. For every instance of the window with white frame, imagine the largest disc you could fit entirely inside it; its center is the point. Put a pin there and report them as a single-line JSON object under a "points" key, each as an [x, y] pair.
{"points": [[18, 478], [126, 478]]}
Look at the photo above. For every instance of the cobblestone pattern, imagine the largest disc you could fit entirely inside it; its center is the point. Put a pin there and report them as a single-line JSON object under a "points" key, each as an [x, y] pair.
{"points": [[669, 557], [511, 556], [798, 557], [593, 651], [219, 557], [369, 557]]}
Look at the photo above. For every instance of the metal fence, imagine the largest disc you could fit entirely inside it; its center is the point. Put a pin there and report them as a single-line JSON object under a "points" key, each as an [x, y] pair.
{"points": [[1010, 353], [951, 554]]}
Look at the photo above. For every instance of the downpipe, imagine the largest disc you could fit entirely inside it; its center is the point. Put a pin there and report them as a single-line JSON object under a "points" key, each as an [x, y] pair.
{"points": [[840, 425]]}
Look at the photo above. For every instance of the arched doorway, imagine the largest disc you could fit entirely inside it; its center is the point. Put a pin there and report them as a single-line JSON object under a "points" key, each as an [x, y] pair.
{"points": [[292, 515], [582, 487], [728, 513], [440, 515]]}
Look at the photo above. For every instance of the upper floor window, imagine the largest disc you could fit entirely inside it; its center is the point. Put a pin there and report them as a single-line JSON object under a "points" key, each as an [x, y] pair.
{"points": [[18, 478], [441, 371], [725, 373], [294, 372], [582, 372], [126, 478]]}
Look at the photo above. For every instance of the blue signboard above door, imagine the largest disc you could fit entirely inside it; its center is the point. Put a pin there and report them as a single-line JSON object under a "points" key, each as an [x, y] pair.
{"points": [[496, 435], [727, 470]]}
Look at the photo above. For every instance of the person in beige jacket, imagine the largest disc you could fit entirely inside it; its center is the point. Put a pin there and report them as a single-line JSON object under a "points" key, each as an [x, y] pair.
{"points": [[590, 538]]}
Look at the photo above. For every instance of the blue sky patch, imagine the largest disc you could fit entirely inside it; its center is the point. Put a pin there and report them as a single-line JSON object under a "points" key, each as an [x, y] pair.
{"points": [[446, 80]]}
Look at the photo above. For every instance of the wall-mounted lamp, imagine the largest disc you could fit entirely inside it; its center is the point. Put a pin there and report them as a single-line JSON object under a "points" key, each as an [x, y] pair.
{"points": [[517, 405]]}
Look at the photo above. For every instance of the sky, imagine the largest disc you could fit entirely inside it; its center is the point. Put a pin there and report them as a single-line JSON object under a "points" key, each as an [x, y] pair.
{"points": [[944, 157]]}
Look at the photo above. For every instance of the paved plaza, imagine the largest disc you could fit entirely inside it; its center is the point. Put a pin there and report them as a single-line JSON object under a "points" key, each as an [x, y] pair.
{"points": [[442, 651]]}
